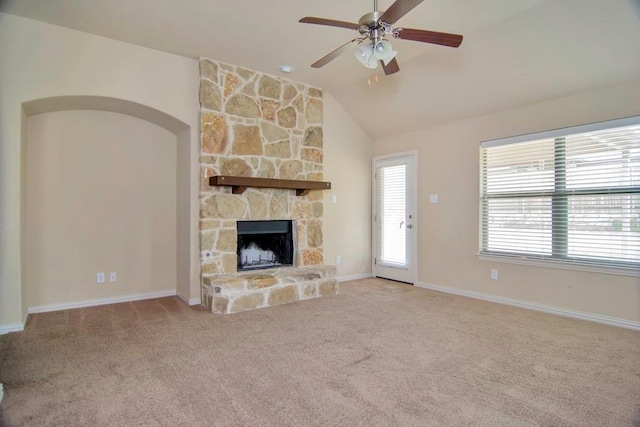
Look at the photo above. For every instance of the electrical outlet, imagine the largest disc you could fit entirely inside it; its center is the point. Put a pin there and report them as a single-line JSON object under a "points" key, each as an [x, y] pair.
{"points": [[100, 278], [494, 274], [112, 276], [334, 198], [338, 259]]}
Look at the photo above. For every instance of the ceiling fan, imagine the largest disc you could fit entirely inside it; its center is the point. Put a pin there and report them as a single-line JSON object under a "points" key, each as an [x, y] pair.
{"points": [[375, 27]]}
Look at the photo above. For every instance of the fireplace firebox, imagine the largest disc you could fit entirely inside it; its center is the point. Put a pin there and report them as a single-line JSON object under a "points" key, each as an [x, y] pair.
{"points": [[265, 244]]}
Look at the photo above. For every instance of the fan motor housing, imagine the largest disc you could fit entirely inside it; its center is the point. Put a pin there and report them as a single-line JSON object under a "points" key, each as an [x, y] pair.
{"points": [[371, 23]]}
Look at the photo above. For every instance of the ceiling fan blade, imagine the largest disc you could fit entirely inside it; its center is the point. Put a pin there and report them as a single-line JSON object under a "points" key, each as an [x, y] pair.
{"points": [[329, 22], [434, 37], [391, 68], [333, 55], [398, 9]]}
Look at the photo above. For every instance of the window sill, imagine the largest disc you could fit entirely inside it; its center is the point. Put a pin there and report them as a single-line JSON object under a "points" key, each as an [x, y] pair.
{"points": [[564, 265]]}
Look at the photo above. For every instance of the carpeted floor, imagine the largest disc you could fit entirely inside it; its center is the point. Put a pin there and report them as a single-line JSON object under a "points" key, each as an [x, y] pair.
{"points": [[379, 353]]}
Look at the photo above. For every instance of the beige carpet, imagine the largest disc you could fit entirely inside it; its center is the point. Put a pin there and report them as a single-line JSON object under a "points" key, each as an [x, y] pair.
{"points": [[380, 353]]}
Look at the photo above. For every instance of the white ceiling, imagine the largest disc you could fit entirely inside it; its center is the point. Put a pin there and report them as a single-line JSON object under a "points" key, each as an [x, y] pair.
{"points": [[514, 52]]}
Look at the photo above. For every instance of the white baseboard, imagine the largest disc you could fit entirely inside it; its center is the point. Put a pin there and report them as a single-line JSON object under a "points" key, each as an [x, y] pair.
{"points": [[613, 321], [11, 327], [191, 301], [100, 301], [354, 277]]}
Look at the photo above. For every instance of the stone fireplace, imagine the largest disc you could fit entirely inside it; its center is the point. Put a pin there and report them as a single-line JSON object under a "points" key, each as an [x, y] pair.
{"points": [[260, 126]]}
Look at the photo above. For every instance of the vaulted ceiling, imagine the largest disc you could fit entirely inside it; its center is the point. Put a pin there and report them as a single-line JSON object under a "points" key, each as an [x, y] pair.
{"points": [[514, 52]]}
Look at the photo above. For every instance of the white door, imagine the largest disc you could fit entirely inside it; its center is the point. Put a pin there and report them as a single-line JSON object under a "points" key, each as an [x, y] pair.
{"points": [[394, 224]]}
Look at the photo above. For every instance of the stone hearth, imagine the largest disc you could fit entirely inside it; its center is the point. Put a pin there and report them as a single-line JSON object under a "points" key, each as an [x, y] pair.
{"points": [[232, 293]]}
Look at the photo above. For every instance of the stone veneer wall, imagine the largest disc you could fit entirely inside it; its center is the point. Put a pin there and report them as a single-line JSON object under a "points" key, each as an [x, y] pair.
{"points": [[257, 125]]}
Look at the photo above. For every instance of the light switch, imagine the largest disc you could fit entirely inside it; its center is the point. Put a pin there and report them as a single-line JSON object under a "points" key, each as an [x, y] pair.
{"points": [[433, 198]]}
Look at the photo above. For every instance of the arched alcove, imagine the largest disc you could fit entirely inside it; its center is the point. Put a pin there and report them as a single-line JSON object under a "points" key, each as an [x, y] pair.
{"points": [[145, 122]]}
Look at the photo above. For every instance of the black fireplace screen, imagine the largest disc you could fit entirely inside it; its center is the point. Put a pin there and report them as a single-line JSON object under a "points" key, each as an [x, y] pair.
{"points": [[265, 244]]}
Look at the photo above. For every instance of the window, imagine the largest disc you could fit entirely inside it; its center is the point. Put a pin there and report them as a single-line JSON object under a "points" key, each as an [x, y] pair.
{"points": [[569, 197]]}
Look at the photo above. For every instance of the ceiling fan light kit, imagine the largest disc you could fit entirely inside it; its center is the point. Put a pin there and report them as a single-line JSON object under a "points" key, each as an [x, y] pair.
{"points": [[373, 28], [384, 52], [366, 56]]}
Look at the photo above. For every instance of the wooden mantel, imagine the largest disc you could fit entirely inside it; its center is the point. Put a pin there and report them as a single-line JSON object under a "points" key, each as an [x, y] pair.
{"points": [[240, 183]]}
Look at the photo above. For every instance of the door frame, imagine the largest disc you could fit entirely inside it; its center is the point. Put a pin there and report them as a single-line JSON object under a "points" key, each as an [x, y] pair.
{"points": [[412, 195]]}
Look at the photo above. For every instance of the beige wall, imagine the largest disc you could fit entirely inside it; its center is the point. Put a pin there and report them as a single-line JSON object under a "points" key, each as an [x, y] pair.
{"points": [[448, 231], [40, 61], [101, 197], [347, 164]]}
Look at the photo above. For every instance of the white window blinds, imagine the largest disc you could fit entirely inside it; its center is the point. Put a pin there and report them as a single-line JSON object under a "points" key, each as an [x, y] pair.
{"points": [[570, 196], [391, 216]]}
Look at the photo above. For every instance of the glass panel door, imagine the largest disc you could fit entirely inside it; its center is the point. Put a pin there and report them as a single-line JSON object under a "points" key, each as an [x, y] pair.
{"points": [[394, 222]]}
